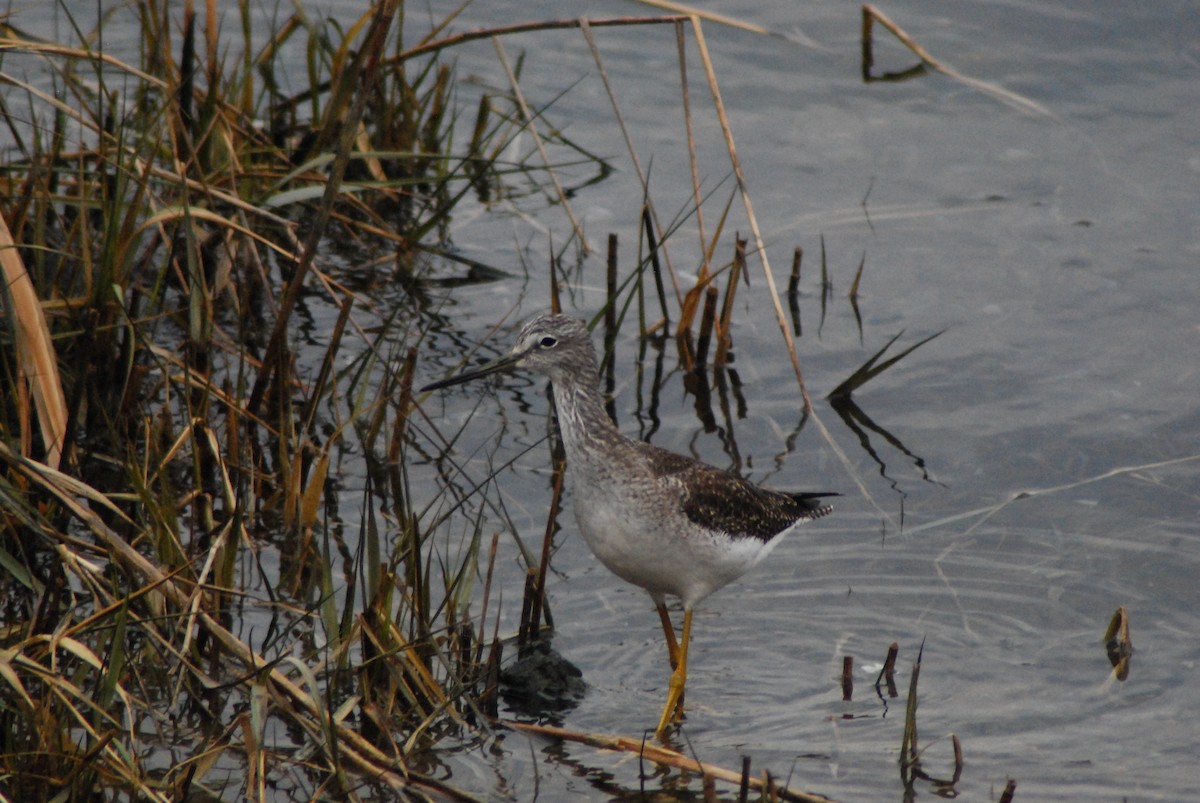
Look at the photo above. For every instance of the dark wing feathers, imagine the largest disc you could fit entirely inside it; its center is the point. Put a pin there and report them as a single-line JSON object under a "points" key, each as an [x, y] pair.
{"points": [[718, 499]]}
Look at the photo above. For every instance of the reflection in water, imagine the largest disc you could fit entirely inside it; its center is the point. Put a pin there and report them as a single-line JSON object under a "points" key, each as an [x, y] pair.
{"points": [[732, 406], [869, 16], [651, 409], [542, 683], [858, 422], [725, 382]]}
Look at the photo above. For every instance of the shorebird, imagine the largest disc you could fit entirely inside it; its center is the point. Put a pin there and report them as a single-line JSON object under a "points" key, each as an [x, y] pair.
{"points": [[664, 522]]}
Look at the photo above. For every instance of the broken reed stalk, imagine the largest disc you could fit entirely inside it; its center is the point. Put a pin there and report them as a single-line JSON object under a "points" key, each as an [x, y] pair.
{"points": [[870, 15], [608, 358], [707, 319], [794, 280], [869, 369], [655, 265], [908, 742], [826, 280], [525, 628], [910, 753]]}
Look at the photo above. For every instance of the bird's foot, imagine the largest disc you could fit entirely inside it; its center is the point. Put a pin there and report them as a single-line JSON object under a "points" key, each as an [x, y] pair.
{"points": [[673, 710]]}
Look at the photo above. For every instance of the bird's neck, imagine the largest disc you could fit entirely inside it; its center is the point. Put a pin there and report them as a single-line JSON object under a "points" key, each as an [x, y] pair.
{"points": [[583, 422]]}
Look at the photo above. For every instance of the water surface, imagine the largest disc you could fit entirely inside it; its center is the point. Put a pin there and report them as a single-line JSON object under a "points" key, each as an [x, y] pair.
{"points": [[1059, 253]]}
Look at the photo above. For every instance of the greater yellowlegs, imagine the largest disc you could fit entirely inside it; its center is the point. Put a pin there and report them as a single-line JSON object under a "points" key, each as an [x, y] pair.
{"points": [[667, 523]]}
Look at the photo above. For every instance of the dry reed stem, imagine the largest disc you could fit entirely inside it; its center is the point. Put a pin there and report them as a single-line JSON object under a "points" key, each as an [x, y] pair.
{"points": [[720, 19], [691, 301], [10, 45], [761, 250], [643, 179], [743, 189], [351, 746], [693, 163], [661, 755], [37, 360], [531, 127], [522, 27]]}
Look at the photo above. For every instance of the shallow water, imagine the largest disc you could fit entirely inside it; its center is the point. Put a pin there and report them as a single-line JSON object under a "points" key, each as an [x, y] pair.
{"points": [[1059, 253]]}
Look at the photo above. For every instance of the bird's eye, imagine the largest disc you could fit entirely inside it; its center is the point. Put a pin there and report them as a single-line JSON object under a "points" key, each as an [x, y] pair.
{"points": [[548, 342]]}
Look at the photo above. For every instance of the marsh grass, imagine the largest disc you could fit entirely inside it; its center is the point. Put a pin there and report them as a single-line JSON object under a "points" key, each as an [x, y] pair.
{"points": [[183, 609], [176, 589]]}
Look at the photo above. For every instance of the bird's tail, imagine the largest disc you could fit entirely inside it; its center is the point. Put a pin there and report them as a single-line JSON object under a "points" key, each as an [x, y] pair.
{"points": [[812, 504]]}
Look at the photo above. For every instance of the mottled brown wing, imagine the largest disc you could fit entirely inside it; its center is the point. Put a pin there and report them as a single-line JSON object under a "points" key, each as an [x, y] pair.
{"points": [[723, 501]]}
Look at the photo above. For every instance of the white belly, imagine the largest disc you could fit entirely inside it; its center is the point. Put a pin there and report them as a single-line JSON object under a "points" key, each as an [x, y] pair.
{"points": [[657, 548]]}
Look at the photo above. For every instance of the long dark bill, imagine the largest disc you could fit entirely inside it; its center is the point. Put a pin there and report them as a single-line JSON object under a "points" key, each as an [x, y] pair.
{"points": [[496, 366]]}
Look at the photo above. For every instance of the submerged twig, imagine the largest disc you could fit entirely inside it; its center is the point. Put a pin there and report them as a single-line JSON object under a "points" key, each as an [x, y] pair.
{"points": [[662, 755], [985, 513]]}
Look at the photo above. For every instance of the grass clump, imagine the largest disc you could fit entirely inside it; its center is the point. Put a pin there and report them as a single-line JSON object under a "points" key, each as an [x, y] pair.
{"points": [[178, 608]]}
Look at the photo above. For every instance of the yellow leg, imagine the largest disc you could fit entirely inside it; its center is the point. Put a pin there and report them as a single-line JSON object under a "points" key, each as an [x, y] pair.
{"points": [[674, 707], [669, 632]]}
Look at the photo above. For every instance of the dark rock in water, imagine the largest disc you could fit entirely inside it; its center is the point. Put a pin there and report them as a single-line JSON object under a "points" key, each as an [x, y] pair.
{"points": [[541, 682]]}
